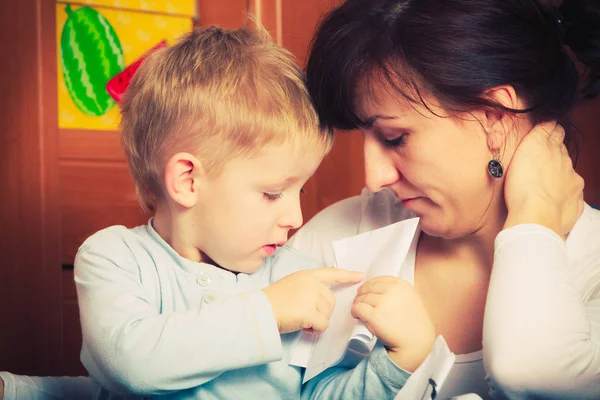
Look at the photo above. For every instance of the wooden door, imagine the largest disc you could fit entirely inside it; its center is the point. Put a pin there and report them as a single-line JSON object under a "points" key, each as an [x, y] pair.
{"points": [[30, 322]]}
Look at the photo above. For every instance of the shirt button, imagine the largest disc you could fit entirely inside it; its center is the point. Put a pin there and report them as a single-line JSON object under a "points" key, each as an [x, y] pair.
{"points": [[203, 280], [209, 297]]}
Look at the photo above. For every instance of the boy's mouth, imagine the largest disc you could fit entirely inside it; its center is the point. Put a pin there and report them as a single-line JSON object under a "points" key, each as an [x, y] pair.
{"points": [[271, 248]]}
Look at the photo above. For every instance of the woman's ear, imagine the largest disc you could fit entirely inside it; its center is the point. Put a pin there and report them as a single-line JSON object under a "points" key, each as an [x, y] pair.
{"points": [[183, 173], [498, 121]]}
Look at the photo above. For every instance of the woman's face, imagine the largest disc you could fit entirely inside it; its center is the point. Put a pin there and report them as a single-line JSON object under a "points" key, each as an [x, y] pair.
{"points": [[437, 165]]}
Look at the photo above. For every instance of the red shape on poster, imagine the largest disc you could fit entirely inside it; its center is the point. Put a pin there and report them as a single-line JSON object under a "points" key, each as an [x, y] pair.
{"points": [[117, 84]]}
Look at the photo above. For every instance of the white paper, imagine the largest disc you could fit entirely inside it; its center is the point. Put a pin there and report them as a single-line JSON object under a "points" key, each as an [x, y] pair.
{"points": [[347, 341]]}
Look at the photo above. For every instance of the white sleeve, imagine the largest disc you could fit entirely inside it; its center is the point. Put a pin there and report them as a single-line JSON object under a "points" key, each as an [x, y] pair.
{"points": [[130, 347], [23, 387], [541, 333]]}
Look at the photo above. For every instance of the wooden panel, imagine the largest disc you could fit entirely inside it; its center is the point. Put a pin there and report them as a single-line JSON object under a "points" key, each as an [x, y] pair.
{"points": [[268, 13], [69, 292], [342, 173], [72, 341], [95, 195], [299, 21], [30, 334], [72, 327], [587, 118], [90, 145], [229, 14]]}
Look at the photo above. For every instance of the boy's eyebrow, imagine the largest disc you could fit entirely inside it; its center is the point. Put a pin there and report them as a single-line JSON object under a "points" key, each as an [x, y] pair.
{"points": [[288, 180], [291, 179]]}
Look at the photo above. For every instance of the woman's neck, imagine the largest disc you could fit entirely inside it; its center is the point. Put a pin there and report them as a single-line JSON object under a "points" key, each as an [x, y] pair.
{"points": [[476, 248]]}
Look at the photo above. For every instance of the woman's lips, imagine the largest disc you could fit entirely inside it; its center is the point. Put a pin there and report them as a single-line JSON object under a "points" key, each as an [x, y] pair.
{"points": [[408, 202]]}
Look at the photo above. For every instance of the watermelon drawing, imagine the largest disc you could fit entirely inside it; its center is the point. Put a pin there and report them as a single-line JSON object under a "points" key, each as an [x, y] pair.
{"points": [[117, 85], [91, 54]]}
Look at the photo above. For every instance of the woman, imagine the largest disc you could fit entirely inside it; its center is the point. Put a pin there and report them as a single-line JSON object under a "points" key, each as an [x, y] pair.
{"points": [[445, 93]]}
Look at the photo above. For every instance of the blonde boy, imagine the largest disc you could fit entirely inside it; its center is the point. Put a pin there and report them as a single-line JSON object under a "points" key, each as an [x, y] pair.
{"points": [[205, 301]]}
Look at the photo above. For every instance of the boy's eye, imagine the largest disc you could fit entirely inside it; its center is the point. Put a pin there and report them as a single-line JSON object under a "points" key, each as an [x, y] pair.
{"points": [[272, 196], [396, 142]]}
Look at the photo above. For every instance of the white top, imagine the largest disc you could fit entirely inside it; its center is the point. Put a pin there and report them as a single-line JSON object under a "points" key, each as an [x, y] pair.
{"points": [[542, 322]]}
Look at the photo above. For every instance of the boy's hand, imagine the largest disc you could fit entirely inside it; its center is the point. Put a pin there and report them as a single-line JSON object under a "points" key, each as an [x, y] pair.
{"points": [[303, 300], [1, 388], [394, 312]]}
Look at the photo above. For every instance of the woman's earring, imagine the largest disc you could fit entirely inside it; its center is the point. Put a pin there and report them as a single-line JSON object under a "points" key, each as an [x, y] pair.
{"points": [[495, 167]]}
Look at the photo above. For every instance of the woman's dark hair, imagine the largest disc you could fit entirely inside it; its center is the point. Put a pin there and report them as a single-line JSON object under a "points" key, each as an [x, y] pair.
{"points": [[456, 50]]}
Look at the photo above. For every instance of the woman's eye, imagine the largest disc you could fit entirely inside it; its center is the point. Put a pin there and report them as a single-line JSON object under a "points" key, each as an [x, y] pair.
{"points": [[396, 142], [272, 196]]}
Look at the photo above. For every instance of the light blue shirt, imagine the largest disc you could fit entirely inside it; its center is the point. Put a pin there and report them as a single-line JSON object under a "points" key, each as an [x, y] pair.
{"points": [[155, 323]]}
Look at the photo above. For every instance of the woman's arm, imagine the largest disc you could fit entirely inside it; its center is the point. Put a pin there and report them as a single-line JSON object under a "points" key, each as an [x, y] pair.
{"points": [[542, 318]]}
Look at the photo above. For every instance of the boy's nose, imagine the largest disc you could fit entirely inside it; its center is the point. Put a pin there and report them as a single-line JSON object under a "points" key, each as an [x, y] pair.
{"points": [[292, 218]]}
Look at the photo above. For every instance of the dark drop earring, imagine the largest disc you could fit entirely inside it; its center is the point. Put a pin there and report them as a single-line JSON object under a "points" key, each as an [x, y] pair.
{"points": [[495, 167]]}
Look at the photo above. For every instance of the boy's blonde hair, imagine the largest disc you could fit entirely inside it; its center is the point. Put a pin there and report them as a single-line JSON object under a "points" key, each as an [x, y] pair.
{"points": [[217, 94]]}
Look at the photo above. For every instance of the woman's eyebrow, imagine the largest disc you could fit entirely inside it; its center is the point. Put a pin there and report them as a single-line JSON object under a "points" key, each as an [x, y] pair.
{"points": [[371, 120]]}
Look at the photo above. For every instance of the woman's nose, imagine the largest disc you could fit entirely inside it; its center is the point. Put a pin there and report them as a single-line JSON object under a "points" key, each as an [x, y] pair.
{"points": [[380, 170]]}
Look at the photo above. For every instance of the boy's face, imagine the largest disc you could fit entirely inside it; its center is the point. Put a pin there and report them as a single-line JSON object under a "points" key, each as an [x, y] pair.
{"points": [[248, 209]]}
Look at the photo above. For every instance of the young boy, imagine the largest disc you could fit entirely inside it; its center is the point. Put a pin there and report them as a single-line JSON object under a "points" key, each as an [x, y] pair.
{"points": [[205, 301]]}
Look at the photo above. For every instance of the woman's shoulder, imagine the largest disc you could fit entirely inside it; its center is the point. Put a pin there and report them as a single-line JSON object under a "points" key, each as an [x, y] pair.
{"points": [[348, 217], [586, 232], [583, 246], [357, 214]]}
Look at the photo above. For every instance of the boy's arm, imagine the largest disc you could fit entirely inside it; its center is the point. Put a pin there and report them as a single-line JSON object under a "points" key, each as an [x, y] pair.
{"points": [[375, 377], [129, 347]]}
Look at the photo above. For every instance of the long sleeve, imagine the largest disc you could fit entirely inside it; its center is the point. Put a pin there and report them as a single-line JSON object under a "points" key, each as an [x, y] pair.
{"points": [[542, 317], [22, 387], [375, 377], [131, 347]]}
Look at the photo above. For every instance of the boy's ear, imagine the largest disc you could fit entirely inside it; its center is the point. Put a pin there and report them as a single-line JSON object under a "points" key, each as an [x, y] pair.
{"points": [[183, 173], [497, 122]]}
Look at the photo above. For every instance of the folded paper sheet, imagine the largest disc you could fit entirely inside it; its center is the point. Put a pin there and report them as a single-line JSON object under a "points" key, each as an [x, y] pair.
{"points": [[375, 253]]}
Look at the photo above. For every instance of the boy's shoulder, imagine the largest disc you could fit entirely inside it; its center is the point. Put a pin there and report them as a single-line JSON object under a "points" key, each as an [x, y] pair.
{"points": [[288, 260], [118, 245], [116, 235]]}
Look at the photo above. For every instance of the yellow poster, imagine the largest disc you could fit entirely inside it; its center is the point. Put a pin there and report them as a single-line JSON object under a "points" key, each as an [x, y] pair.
{"points": [[95, 43], [173, 7]]}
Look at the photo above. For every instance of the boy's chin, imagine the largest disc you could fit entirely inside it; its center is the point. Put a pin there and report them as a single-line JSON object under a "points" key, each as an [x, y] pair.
{"points": [[248, 266]]}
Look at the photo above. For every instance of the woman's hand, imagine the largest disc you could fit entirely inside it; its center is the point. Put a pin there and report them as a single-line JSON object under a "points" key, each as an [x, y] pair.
{"points": [[394, 312], [541, 185]]}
